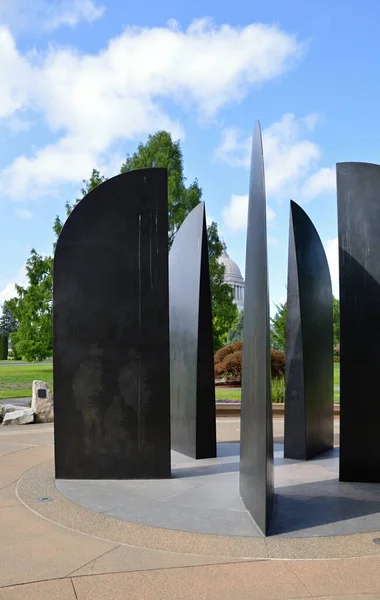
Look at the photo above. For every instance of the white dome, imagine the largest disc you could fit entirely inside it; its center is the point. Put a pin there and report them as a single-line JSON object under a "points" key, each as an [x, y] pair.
{"points": [[233, 277], [232, 269]]}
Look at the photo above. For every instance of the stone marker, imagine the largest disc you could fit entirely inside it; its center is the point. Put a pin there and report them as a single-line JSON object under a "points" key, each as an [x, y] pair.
{"points": [[256, 445], [111, 332], [21, 416], [42, 402], [309, 399], [193, 422]]}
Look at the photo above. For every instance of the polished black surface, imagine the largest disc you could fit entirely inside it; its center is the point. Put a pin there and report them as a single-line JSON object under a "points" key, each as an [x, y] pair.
{"points": [[256, 446], [193, 422], [359, 273], [309, 400], [111, 332]]}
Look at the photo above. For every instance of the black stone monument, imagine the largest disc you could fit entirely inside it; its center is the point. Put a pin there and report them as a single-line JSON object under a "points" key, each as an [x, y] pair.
{"points": [[193, 423], [309, 399], [256, 438], [111, 333], [359, 274]]}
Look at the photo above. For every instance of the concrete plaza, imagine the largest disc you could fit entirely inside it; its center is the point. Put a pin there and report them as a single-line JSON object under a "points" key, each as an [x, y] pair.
{"points": [[52, 548]]}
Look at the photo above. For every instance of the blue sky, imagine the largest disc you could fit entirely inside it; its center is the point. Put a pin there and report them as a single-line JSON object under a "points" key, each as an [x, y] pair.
{"points": [[84, 81]]}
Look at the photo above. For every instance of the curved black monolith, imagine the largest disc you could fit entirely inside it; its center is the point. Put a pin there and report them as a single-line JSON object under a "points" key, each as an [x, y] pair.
{"points": [[358, 187], [111, 332], [256, 445], [309, 396], [193, 423]]}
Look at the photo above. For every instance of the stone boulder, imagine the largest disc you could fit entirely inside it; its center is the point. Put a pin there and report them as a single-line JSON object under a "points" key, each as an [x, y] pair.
{"points": [[5, 408], [42, 402], [21, 416]]}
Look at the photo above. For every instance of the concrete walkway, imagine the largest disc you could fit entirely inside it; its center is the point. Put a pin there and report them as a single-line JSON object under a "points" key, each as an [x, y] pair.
{"points": [[52, 549]]}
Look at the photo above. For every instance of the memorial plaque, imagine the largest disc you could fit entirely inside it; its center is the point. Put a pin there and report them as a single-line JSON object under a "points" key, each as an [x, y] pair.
{"points": [[256, 438], [193, 422], [359, 274], [309, 402], [111, 332], [41, 393]]}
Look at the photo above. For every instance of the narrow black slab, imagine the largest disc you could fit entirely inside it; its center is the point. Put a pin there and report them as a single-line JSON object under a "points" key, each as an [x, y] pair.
{"points": [[309, 403], [193, 421], [256, 446], [111, 333], [359, 275]]}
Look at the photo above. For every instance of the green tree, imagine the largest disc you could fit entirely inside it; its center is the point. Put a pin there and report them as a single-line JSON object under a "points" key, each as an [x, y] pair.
{"points": [[161, 152], [278, 331], [3, 346], [236, 333], [8, 323], [32, 309]]}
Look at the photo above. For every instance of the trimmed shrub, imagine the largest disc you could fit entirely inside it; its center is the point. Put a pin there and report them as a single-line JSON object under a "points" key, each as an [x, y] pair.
{"points": [[228, 362], [219, 370], [232, 365], [237, 346], [221, 354], [277, 363]]}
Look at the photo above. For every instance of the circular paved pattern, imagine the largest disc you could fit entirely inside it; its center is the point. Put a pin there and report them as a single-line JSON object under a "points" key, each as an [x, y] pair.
{"points": [[202, 497]]}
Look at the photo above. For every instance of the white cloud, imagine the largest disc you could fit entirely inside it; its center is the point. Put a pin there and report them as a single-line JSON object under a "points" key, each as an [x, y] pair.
{"points": [[71, 12], [323, 180], [332, 254], [23, 213], [235, 214], [292, 163], [9, 290], [48, 14], [93, 101]]}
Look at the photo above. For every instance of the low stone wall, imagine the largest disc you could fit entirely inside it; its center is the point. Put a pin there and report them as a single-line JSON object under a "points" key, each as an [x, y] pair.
{"points": [[227, 409]]}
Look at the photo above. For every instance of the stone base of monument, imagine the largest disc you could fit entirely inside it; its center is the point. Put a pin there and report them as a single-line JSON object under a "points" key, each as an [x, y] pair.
{"points": [[203, 497]]}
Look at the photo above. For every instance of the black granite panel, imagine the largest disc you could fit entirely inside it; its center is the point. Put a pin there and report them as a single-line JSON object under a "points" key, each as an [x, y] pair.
{"points": [[256, 447], [111, 332], [359, 274], [193, 423], [309, 403]]}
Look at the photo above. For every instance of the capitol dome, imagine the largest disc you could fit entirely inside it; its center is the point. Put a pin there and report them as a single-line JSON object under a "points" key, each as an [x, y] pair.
{"points": [[233, 277]]}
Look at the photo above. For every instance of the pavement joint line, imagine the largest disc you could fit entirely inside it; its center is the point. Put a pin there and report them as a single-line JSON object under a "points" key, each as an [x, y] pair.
{"points": [[24, 432], [74, 590], [93, 560], [63, 577], [176, 567], [20, 449], [300, 580], [8, 484]]}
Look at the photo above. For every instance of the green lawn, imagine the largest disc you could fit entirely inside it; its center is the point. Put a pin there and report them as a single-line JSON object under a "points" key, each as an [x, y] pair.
{"points": [[336, 381], [223, 394], [16, 378]]}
